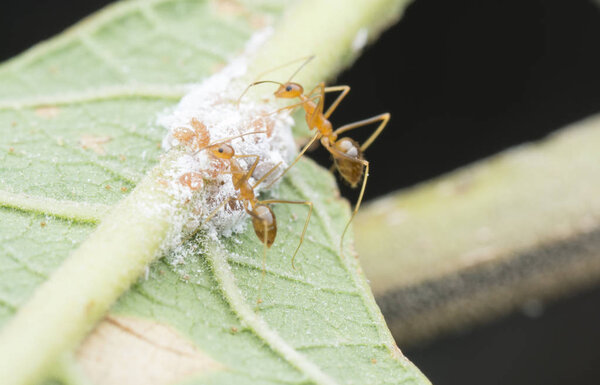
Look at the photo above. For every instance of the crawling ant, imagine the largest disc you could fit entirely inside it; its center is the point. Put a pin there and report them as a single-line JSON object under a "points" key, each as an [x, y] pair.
{"points": [[347, 153], [197, 139], [263, 218]]}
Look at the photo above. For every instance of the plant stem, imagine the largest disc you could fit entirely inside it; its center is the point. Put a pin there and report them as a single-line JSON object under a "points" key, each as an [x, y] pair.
{"points": [[330, 30], [64, 309]]}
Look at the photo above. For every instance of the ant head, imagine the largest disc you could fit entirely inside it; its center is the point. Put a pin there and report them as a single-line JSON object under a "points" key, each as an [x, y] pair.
{"points": [[289, 90], [223, 151]]}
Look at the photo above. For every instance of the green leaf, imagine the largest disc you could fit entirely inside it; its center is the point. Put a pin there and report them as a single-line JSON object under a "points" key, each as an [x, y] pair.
{"points": [[78, 115]]}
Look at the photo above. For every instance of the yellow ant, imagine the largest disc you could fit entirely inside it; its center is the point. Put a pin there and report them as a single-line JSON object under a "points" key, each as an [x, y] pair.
{"points": [[263, 218], [347, 153]]}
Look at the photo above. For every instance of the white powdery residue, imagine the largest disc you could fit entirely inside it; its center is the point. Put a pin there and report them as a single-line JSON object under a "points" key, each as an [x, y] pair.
{"points": [[213, 103], [360, 40], [182, 253]]}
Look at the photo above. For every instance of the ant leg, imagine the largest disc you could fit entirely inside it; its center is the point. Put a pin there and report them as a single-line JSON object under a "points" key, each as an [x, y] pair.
{"points": [[338, 154], [310, 208], [293, 106], [357, 206], [317, 87], [215, 211], [384, 118], [264, 257], [262, 179], [250, 171], [264, 264], [338, 100], [237, 182], [256, 159], [323, 91], [306, 147]]}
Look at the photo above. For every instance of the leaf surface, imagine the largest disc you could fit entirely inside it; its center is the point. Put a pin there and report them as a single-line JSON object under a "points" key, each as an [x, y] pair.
{"points": [[78, 115]]}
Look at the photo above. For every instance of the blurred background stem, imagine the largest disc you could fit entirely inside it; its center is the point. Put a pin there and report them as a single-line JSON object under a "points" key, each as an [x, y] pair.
{"points": [[505, 233]]}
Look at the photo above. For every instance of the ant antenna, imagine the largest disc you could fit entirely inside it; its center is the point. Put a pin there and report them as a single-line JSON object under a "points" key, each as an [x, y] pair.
{"points": [[227, 140], [305, 58], [252, 85], [308, 59]]}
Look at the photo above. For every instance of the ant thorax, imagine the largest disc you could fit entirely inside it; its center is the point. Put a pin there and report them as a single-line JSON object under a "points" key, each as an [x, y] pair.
{"points": [[210, 115]]}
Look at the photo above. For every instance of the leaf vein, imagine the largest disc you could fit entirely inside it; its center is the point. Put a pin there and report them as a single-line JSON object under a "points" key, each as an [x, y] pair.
{"points": [[367, 299], [105, 56], [150, 15], [153, 91], [65, 209], [279, 274], [224, 276]]}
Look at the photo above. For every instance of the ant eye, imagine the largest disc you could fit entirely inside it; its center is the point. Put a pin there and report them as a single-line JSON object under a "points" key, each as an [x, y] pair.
{"points": [[288, 88]]}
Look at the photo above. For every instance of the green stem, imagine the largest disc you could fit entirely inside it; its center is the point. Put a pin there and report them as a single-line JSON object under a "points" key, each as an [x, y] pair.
{"points": [[65, 308], [326, 29], [225, 277], [68, 372]]}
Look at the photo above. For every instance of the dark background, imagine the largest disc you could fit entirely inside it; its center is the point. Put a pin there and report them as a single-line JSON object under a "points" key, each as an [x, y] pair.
{"points": [[463, 79]]}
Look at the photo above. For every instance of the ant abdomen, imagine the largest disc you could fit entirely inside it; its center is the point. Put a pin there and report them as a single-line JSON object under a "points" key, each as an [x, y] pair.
{"points": [[347, 165], [264, 223]]}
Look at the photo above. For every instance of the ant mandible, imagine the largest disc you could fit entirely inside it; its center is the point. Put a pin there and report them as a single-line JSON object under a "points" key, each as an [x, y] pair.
{"points": [[347, 153]]}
